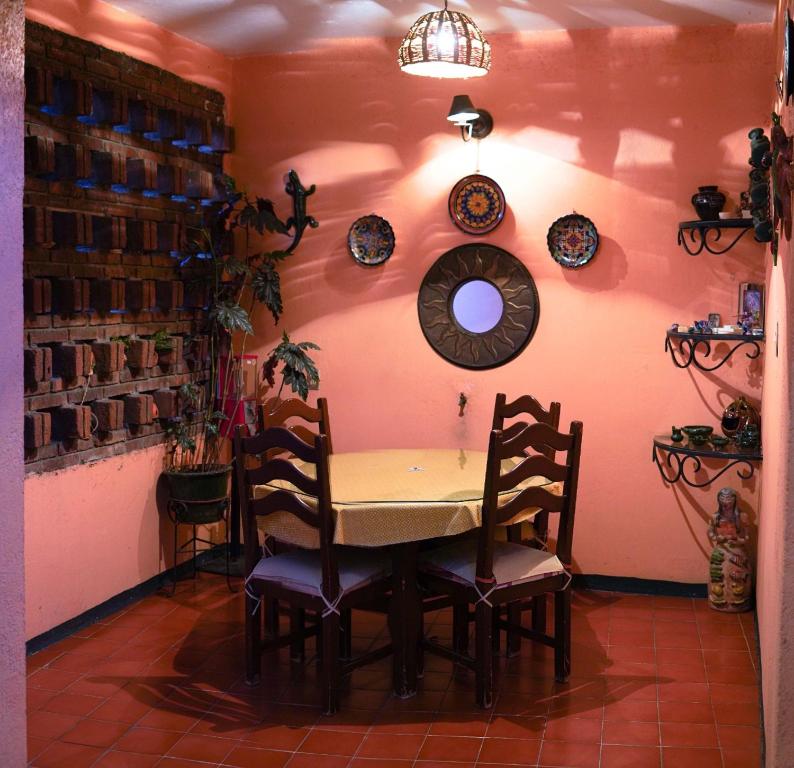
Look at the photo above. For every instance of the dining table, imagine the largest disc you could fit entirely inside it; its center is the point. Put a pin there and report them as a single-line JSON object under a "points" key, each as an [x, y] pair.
{"points": [[397, 499]]}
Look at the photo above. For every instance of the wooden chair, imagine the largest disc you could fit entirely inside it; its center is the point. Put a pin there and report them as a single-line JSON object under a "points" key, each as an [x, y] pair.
{"points": [[516, 413], [306, 422], [490, 573], [328, 581]]}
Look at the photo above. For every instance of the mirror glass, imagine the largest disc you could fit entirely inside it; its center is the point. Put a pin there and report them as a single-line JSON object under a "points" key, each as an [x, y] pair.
{"points": [[477, 306]]}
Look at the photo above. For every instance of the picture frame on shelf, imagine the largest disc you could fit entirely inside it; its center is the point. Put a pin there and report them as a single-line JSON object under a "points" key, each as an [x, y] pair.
{"points": [[751, 304]]}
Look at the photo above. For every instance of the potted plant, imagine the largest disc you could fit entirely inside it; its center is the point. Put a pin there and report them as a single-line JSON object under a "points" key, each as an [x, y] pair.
{"points": [[237, 285]]}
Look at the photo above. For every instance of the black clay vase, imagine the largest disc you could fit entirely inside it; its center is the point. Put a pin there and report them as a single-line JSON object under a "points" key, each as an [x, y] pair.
{"points": [[708, 202]]}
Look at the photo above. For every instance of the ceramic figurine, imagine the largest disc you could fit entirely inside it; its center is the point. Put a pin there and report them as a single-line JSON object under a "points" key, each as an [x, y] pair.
{"points": [[676, 435], [730, 571], [748, 436]]}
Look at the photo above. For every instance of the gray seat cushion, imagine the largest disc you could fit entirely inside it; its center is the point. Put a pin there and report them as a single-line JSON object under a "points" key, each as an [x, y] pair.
{"points": [[512, 563], [301, 569]]}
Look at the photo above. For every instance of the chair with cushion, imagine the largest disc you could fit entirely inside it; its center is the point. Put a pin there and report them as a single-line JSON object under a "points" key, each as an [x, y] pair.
{"points": [[520, 413], [490, 573], [327, 580]]}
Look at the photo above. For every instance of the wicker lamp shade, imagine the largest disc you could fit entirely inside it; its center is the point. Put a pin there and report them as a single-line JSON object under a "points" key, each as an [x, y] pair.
{"points": [[445, 44]]}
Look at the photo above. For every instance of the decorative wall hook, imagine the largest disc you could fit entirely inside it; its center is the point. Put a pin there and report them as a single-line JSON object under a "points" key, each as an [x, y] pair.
{"points": [[462, 400]]}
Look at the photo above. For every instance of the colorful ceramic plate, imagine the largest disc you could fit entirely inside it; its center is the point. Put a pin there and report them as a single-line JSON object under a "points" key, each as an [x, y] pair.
{"points": [[477, 204], [371, 240], [572, 240]]}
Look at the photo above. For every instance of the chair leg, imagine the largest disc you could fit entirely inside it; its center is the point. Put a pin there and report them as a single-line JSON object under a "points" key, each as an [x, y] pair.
{"points": [[271, 610], [496, 635], [483, 626], [460, 627], [346, 634], [253, 642], [297, 626], [330, 666], [539, 603], [513, 637], [420, 650], [562, 635]]}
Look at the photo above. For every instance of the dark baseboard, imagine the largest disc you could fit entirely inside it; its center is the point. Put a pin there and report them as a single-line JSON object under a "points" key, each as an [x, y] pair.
{"points": [[634, 586], [118, 602]]}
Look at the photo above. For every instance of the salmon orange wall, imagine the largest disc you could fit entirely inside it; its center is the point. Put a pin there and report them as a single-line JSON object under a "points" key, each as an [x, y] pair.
{"points": [[775, 591], [118, 30], [103, 518], [621, 125]]}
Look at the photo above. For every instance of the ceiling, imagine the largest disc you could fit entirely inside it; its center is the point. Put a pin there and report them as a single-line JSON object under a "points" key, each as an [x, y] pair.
{"points": [[243, 27]]}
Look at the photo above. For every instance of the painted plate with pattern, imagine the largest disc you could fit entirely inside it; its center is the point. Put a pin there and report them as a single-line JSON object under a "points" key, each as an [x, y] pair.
{"points": [[572, 240], [477, 204], [371, 240]]}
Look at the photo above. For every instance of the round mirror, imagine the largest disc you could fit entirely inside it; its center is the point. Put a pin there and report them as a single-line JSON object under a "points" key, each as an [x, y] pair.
{"points": [[477, 306]]}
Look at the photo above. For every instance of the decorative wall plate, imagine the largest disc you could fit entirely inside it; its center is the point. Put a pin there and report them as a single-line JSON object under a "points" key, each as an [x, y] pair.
{"points": [[370, 240], [572, 240], [465, 332], [476, 204]]}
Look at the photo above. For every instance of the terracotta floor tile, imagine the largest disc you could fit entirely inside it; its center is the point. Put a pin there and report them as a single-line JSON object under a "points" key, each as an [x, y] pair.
{"points": [[635, 653], [53, 679], [736, 713], [400, 722], [440, 764], [676, 757], [37, 698], [510, 751], [738, 758], [148, 741], [569, 754], [72, 704], [332, 743], [686, 712], [459, 749], [616, 756], [200, 747], [115, 759], [250, 757], [379, 763], [176, 719], [60, 755], [36, 746], [689, 735], [675, 690], [95, 733], [460, 724], [573, 729], [629, 710], [634, 734], [391, 746], [50, 725], [502, 726], [180, 762], [740, 737], [299, 760], [276, 736]]}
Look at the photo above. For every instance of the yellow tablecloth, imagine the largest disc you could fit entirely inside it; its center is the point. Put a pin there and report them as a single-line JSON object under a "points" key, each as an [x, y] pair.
{"points": [[395, 496]]}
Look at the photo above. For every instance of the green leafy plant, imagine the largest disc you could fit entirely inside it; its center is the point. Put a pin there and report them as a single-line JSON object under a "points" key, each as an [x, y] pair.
{"points": [[162, 341], [241, 275]]}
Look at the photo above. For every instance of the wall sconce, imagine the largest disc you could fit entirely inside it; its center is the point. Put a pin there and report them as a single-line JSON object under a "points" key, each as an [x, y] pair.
{"points": [[474, 123]]}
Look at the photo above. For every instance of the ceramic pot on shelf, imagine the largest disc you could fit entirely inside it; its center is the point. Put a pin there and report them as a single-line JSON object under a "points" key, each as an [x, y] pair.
{"points": [[737, 416], [708, 202]]}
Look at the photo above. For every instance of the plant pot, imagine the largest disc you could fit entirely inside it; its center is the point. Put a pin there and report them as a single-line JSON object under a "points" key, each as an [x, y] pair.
{"points": [[198, 495], [708, 202]]}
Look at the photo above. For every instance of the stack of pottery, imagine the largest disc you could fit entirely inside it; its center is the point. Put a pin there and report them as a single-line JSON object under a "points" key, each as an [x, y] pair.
{"points": [[760, 160]]}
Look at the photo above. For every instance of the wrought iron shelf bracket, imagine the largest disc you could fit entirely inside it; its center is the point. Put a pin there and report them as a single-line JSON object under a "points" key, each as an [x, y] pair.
{"points": [[697, 236], [695, 348], [682, 461]]}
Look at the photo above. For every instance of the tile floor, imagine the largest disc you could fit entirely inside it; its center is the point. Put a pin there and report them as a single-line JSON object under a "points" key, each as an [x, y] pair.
{"points": [[657, 683]]}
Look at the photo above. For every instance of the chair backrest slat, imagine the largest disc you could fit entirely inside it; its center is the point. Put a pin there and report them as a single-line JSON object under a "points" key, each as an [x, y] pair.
{"points": [[284, 501], [524, 404], [294, 414], [564, 469], [282, 469], [532, 466], [281, 440]]}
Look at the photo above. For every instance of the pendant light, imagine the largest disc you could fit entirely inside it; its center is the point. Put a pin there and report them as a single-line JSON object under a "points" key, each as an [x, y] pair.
{"points": [[445, 44]]}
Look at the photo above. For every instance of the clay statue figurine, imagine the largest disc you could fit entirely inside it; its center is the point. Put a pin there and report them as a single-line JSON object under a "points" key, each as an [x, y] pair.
{"points": [[731, 577]]}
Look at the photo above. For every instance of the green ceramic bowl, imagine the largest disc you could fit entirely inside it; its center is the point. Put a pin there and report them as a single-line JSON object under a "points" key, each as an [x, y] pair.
{"points": [[698, 430], [718, 441]]}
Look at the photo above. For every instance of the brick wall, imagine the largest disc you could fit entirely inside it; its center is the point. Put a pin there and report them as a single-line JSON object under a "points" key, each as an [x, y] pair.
{"points": [[119, 156]]}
